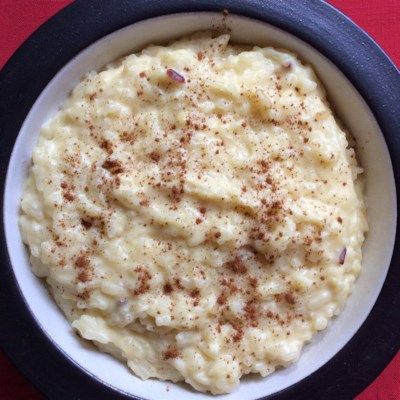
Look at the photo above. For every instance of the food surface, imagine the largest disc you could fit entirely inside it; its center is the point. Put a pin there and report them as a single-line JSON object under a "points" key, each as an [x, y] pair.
{"points": [[196, 210]]}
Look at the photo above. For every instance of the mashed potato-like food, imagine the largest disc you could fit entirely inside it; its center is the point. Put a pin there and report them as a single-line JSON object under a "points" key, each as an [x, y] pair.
{"points": [[195, 211]]}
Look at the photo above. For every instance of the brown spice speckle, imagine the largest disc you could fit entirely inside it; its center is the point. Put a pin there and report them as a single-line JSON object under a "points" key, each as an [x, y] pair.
{"points": [[172, 352], [222, 298], [107, 146], [289, 298], [143, 279], [167, 288], [237, 265], [85, 271], [86, 223], [155, 156], [68, 196], [113, 166]]}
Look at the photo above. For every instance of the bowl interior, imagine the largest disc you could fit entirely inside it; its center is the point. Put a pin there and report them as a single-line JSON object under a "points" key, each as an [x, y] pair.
{"points": [[348, 105]]}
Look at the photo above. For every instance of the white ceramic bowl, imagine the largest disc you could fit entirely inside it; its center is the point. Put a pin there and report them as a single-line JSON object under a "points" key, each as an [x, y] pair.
{"points": [[350, 108]]}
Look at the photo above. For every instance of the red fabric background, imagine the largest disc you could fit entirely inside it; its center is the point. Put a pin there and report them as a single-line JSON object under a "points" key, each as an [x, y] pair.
{"points": [[19, 18]]}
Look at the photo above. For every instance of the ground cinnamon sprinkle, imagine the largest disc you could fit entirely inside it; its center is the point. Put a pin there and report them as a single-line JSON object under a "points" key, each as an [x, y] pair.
{"points": [[176, 193], [86, 223], [171, 353], [230, 285], [269, 314], [222, 298], [195, 294], [143, 279], [167, 288], [85, 271], [84, 295], [251, 312], [253, 282], [82, 261], [264, 166], [237, 337], [237, 265], [155, 156], [289, 298], [67, 191], [237, 326], [113, 166], [68, 196], [85, 275], [107, 146], [178, 284], [127, 137]]}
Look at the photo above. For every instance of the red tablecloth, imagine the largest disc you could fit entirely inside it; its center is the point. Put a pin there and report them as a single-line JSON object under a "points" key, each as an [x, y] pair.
{"points": [[18, 18]]}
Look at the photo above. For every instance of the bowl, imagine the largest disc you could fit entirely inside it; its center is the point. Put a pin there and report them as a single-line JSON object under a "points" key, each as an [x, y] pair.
{"points": [[363, 89]]}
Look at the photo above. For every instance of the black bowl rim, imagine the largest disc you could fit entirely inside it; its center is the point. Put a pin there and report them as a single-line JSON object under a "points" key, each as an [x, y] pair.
{"points": [[77, 26]]}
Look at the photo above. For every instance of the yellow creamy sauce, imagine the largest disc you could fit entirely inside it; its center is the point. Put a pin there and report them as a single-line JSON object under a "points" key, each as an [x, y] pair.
{"points": [[195, 210]]}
